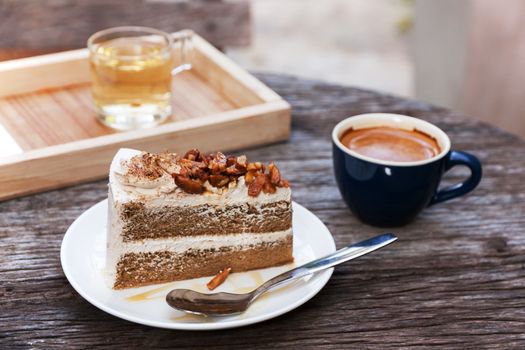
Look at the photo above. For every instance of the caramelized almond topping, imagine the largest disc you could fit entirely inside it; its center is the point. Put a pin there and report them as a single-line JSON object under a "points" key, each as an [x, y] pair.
{"points": [[255, 166], [268, 186], [233, 170], [275, 174], [241, 162], [203, 177], [202, 158], [217, 163], [230, 160], [284, 183], [192, 154], [188, 185], [250, 175], [195, 168], [219, 279], [256, 185], [219, 180]]}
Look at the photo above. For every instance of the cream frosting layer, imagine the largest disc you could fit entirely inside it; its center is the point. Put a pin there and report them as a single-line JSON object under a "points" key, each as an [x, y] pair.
{"points": [[163, 191], [180, 245]]}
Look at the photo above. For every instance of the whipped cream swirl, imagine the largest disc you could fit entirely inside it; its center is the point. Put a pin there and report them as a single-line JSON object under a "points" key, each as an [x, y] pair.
{"points": [[141, 173]]}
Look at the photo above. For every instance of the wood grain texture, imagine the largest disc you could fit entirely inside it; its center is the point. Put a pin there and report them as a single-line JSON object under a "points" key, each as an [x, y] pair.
{"points": [[46, 108], [57, 116], [455, 278], [67, 24], [12, 54]]}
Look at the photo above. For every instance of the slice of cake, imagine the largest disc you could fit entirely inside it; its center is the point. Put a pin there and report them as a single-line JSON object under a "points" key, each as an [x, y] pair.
{"points": [[177, 217]]}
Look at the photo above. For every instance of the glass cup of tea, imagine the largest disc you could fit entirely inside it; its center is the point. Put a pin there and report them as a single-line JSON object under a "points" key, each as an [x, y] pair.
{"points": [[131, 74]]}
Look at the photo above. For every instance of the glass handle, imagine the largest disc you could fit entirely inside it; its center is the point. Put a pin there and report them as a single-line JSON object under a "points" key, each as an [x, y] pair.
{"points": [[183, 40]]}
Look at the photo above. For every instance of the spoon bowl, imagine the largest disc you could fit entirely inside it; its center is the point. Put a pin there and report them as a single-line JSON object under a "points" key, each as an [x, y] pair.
{"points": [[216, 303], [226, 304]]}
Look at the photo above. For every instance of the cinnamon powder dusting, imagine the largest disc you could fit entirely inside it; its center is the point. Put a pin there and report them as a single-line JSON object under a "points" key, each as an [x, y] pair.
{"points": [[145, 166]]}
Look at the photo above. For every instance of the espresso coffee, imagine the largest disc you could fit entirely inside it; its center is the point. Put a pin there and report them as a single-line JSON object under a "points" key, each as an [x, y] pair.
{"points": [[391, 144], [388, 167]]}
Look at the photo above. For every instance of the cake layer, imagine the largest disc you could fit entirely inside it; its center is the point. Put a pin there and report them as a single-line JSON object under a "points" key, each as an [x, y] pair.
{"points": [[135, 269], [140, 222]]}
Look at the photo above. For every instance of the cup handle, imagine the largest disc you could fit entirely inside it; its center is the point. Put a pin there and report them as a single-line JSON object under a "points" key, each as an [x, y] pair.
{"points": [[183, 37], [459, 158]]}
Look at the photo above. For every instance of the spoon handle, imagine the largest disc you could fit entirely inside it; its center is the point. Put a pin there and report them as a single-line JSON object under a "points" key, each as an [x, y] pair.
{"points": [[342, 255]]}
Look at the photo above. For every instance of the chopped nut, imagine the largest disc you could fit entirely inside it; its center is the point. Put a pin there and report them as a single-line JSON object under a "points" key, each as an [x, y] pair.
{"points": [[187, 163], [183, 172], [255, 166], [198, 173], [219, 278], [233, 170], [250, 175], [241, 162], [230, 160], [268, 187], [203, 158], [256, 185], [217, 163], [284, 183], [192, 154], [188, 185], [219, 180], [203, 177], [275, 174]]}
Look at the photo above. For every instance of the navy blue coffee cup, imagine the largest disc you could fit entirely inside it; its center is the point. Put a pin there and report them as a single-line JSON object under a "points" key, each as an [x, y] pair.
{"points": [[387, 193]]}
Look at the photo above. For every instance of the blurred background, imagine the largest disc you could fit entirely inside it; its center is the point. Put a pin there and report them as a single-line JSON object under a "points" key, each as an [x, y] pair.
{"points": [[353, 42], [467, 55]]}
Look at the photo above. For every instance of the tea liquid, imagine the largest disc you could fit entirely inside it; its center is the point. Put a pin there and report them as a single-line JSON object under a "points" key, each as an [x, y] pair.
{"points": [[131, 80]]}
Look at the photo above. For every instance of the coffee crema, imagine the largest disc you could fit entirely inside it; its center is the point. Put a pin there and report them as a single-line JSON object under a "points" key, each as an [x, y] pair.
{"points": [[391, 144]]}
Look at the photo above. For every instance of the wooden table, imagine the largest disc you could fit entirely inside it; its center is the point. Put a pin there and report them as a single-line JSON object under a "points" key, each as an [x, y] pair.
{"points": [[455, 278]]}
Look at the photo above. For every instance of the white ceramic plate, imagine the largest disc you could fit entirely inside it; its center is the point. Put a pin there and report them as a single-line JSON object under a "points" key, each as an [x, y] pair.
{"points": [[83, 258]]}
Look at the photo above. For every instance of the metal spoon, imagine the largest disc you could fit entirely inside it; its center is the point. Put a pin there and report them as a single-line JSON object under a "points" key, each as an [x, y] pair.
{"points": [[225, 304]]}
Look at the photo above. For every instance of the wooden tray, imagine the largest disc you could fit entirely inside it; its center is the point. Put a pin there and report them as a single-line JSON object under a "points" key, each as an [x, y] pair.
{"points": [[49, 136]]}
